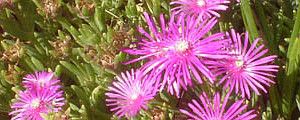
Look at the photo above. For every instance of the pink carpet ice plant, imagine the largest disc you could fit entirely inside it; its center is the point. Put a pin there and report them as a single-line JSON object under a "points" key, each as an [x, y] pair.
{"points": [[40, 80], [217, 109], [203, 8], [131, 93], [177, 51], [248, 68], [42, 96]]}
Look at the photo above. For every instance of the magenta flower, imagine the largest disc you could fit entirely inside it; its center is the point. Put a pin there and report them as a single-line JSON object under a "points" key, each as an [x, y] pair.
{"points": [[203, 8], [207, 109], [131, 93], [40, 80], [246, 68], [31, 104], [177, 51], [42, 96]]}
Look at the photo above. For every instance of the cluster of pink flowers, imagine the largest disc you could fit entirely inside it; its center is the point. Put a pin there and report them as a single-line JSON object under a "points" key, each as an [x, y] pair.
{"points": [[42, 95], [181, 52]]}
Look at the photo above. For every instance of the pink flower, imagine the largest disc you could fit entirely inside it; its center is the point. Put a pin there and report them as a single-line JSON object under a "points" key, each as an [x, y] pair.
{"points": [[42, 96], [40, 80], [31, 104], [246, 69], [176, 52], [216, 109], [131, 93], [203, 8]]}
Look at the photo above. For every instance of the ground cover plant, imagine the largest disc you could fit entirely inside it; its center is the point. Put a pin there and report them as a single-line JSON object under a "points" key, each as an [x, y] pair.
{"points": [[149, 59]]}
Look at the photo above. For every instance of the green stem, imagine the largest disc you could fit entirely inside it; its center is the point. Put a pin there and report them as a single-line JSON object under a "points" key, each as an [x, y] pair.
{"points": [[292, 68], [249, 19], [295, 32], [267, 32], [273, 47]]}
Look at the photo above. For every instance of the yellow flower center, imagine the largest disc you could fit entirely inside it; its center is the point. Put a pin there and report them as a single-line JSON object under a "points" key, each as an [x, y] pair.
{"points": [[42, 82], [201, 3], [181, 46], [239, 63], [35, 103], [134, 96]]}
